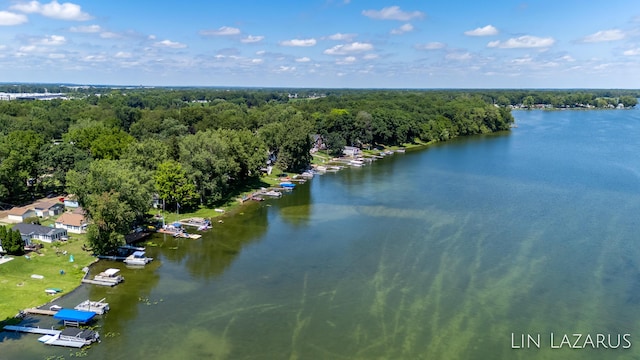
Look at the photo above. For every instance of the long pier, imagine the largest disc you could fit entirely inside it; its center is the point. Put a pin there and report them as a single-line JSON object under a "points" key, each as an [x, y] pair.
{"points": [[32, 330]]}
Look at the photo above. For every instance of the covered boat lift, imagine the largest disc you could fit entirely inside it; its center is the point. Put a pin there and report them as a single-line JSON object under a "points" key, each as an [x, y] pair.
{"points": [[74, 317]]}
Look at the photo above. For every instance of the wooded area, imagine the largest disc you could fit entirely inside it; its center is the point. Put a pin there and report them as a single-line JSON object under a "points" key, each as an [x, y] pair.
{"points": [[115, 148]]}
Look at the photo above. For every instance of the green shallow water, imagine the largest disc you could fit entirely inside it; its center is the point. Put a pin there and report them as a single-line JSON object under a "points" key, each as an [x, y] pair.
{"points": [[435, 254]]}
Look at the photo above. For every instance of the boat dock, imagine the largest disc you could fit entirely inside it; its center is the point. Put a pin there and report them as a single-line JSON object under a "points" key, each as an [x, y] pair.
{"points": [[195, 222], [98, 282], [32, 330], [36, 311], [110, 257]]}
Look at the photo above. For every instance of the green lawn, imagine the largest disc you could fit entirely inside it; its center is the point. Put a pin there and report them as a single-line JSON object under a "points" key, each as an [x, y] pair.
{"points": [[229, 206], [19, 291]]}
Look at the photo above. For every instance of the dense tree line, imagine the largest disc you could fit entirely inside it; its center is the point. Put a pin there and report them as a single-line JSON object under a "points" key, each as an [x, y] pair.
{"points": [[11, 241], [563, 98], [115, 148]]}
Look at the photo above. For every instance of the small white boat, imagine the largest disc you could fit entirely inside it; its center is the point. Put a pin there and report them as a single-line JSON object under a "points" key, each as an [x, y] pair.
{"points": [[356, 163], [71, 337], [98, 307], [109, 275], [138, 258]]}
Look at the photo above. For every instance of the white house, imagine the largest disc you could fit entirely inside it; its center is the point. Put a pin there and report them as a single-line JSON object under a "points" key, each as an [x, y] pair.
{"points": [[351, 151], [45, 234], [48, 208], [19, 214], [73, 223]]}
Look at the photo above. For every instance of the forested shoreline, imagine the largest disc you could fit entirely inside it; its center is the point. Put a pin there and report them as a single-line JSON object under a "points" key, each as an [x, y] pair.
{"points": [[115, 148]]}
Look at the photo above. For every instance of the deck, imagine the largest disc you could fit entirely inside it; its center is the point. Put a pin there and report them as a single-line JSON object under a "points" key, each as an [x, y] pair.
{"points": [[36, 311]]}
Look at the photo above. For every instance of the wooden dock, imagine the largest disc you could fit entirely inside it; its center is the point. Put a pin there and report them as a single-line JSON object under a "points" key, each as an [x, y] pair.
{"points": [[98, 282], [36, 311]]}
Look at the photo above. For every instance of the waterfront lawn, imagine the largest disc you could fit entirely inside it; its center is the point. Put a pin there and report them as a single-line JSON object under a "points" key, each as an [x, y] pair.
{"points": [[19, 291], [229, 206]]}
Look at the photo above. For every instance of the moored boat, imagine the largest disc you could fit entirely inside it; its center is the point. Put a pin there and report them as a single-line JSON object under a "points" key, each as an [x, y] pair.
{"points": [[137, 258], [110, 275], [99, 307]]}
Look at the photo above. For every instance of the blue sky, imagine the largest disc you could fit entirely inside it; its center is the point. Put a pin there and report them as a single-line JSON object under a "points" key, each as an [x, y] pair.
{"points": [[323, 43]]}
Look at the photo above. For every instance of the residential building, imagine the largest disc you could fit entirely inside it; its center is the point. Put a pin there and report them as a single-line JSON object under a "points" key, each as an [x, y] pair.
{"points": [[19, 214], [38, 232], [73, 223]]}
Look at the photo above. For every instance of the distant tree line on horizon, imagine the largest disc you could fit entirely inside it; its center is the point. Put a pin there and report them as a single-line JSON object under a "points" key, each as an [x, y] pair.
{"points": [[200, 147]]}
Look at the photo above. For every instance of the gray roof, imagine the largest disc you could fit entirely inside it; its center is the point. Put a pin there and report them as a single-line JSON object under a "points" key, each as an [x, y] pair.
{"points": [[29, 229]]}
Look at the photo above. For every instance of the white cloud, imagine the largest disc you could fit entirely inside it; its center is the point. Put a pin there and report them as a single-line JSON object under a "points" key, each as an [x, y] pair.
{"points": [[9, 19], [348, 60], [299, 42], [482, 31], [303, 59], [86, 29], [431, 46], [522, 61], [458, 56], [526, 41], [632, 52], [349, 48], [260, 52], [605, 35], [222, 31], [54, 10], [402, 29], [170, 44], [285, 69], [252, 39], [342, 37], [393, 13], [123, 55], [110, 35], [257, 61], [29, 48], [370, 56], [56, 56], [94, 58], [53, 40]]}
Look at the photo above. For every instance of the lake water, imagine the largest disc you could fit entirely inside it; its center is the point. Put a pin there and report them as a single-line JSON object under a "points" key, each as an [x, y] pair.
{"points": [[452, 252]]}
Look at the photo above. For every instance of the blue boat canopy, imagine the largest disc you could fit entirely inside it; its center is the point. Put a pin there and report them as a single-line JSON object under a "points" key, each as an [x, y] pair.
{"points": [[74, 315], [138, 254], [176, 224]]}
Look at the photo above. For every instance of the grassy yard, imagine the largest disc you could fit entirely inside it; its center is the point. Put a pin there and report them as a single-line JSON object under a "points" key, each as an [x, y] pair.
{"points": [[229, 206], [18, 290]]}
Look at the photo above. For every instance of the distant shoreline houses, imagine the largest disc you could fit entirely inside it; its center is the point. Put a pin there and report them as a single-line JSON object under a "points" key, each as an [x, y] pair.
{"points": [[32, 96]]}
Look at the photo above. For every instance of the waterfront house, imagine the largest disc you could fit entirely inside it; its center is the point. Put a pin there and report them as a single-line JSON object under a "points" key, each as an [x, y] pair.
{"points": [[73, 223], [71, 201], [351, 151], [37, 232], [46, 208], [19, 214]]}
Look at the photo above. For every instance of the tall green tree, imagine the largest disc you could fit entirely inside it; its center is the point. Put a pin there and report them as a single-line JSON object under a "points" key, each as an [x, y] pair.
{"points": [[206, 158], [19, 159], [115, 195], [57, 159], [173, 185], [11, 241]]}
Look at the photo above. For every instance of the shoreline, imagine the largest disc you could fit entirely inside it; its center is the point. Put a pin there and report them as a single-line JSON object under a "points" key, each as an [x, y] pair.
{"points": [[232, 208]]}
